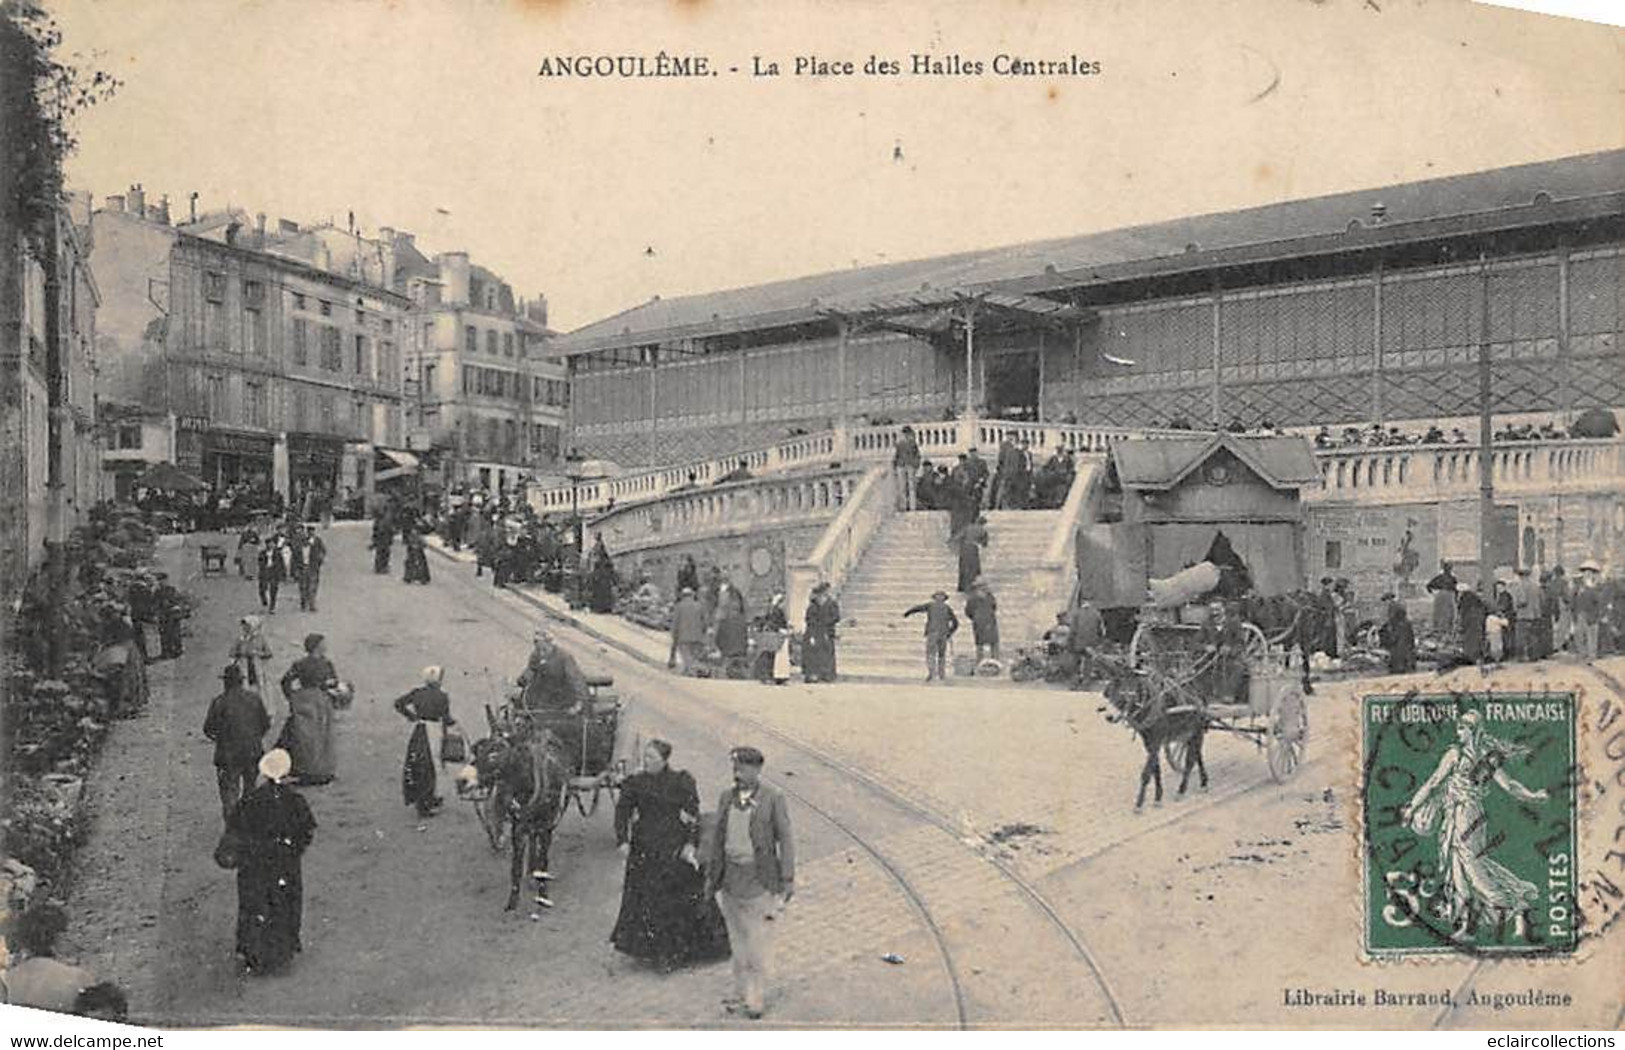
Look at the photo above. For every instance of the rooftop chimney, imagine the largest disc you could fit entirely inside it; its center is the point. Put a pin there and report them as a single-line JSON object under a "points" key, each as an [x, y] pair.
{"points": [[160, 211], [138, 200], [1379, 213], [193, 203], [536, 310], [259, 230]]}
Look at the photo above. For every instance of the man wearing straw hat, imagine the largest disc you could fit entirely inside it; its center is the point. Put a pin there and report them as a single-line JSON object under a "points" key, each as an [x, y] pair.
{"points": [[1588, 602]]}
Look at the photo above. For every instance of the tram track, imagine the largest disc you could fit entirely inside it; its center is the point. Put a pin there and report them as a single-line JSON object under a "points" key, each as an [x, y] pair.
{"points": [[910, 893], [895, 868]]}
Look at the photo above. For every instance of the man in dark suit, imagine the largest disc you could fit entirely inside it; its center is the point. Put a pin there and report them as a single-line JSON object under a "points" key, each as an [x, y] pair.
{"points": [[308, 555], [940, 625], [273, 569], [237, 723], [751, 867], [976, 474]]}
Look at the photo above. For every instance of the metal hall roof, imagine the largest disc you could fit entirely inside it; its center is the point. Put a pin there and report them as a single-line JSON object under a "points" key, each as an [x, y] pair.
{"points": [[1283, 462], [1526, 194]]}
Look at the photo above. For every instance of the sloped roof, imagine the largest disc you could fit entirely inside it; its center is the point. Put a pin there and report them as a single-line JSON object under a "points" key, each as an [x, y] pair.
{"points": [[1081, 259], [1161, 464], [211, 221]]}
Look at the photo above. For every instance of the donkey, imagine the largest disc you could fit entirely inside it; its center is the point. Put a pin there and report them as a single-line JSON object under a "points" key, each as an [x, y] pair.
{"points": [[1141, 703], [528, 779]]}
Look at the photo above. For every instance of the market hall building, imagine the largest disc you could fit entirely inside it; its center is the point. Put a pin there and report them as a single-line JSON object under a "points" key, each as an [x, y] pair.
{"points": [[1367, 306]]}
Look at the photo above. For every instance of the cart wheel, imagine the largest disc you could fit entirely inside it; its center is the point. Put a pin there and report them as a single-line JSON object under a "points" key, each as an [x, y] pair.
{"points": [[1139, 647], [1258, 646], [1289, 731], [1178, 754]]}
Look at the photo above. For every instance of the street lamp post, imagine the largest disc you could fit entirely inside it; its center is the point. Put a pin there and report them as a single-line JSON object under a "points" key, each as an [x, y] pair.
{"points": [[573, 460]]}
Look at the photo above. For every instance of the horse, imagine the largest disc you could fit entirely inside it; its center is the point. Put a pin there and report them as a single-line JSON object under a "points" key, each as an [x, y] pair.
{"points": [[1293, 621], [1140, 699], [527, 775]]}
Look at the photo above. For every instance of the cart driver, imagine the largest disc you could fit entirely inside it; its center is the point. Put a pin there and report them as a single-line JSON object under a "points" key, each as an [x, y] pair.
{"points": [[1226, 640], [551, 683]]}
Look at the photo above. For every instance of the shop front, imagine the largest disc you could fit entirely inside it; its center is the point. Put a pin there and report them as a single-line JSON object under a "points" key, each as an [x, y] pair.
{"points": [[233, 457], [314, 467]]}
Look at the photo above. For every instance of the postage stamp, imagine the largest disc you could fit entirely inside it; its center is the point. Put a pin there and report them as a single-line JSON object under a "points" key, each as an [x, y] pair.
{"points": [[1469, 803]]}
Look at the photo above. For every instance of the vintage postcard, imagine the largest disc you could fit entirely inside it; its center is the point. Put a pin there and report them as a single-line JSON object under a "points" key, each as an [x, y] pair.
{"points": [[726, 514]]}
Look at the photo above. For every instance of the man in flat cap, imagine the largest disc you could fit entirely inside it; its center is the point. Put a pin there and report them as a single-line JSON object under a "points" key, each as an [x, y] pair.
{"points": [[751, 868]]}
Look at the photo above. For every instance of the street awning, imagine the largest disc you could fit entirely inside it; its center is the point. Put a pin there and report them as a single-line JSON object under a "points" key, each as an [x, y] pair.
{"points": [[169, 478], [404, 463]]}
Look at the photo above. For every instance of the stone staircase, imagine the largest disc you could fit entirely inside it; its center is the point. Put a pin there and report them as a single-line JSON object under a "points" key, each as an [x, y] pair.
{"points": [[907, 560]]}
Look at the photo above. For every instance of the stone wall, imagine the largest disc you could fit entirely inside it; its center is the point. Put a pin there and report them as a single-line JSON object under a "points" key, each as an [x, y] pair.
{"points": [[1398, 547], [755, 563]]}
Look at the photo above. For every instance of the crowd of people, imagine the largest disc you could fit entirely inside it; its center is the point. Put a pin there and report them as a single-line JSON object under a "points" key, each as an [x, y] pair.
{"points": [[1017, 480], [520, 546], [1530, 616], [1591, 424], [212, 508], [686, 898]]}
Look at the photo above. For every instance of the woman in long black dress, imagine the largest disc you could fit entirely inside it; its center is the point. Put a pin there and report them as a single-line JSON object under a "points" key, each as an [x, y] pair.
{"points": [[666, 917], [818, 662], [427, 703], [274, 827], [601, 580], [417, 563]]}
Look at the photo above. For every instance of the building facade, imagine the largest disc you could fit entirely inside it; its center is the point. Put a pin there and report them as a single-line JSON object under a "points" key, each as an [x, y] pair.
{"points": [[1362, 307], [279, 372], [482, 395], [49, 455]]}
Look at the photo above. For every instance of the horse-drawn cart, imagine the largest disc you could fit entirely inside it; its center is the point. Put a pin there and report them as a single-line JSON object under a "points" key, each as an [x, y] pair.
{"points": [[1191, 676], [582, 742]]}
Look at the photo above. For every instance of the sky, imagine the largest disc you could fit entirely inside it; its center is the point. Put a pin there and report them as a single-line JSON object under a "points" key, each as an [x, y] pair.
{"points": [[429, 116]]}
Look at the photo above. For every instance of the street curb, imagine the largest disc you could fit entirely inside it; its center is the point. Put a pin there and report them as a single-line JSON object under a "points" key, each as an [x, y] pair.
{"points": [[564, 618]]}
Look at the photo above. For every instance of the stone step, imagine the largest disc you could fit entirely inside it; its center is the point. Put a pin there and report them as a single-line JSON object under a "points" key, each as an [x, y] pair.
{"points": [[909, 638], [908, 576]]}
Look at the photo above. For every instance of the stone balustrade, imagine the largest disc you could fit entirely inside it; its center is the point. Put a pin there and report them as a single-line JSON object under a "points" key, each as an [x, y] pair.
{"points": [[1437, 473], [807, 479], [843, 543], [738, 507], [869, 444]]}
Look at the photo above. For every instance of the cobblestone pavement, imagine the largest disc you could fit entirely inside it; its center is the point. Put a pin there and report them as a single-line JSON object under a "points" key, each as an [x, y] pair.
{"points": [[403, 920]]}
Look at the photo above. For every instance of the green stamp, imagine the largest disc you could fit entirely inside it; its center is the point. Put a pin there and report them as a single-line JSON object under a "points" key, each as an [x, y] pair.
{"points": [[1469, 814]]}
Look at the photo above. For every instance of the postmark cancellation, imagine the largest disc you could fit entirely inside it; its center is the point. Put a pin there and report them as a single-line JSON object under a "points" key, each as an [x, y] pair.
{"points": [[1469, 804]]}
